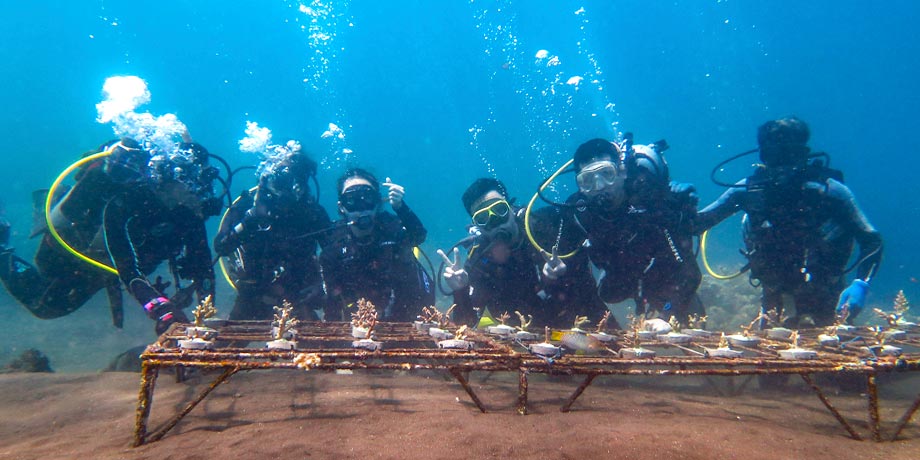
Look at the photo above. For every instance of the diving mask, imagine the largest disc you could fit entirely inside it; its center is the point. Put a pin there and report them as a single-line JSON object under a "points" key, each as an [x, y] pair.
{"points": [[597, 176], [360, 198], [493, 214]]}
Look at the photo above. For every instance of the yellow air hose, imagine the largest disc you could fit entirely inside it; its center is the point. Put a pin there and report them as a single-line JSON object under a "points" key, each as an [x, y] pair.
{"points": [[709, 269], [49, 201], [223, 265], [533, 199]]}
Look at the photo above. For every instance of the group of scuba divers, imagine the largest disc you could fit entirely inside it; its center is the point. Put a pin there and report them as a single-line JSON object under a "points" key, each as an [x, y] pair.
{"points": [[627, 233]]}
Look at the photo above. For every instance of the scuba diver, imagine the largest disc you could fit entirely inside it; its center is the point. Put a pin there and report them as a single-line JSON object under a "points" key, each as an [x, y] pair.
{"points": [[638, 225], [135, 210], [799, 228], [370, 252], [271, 234], [505, 273]]}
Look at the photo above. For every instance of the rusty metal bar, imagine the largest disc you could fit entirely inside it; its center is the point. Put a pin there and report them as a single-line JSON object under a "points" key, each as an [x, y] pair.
{"points": [[846, 425], [160, 432], [905, 419], [469, 390], [149, 374], [872, 395], [578, 391], [522, 391]]}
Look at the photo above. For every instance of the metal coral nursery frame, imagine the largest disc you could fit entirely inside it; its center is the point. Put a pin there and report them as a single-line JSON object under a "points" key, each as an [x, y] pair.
{"points": [[407, 348]]}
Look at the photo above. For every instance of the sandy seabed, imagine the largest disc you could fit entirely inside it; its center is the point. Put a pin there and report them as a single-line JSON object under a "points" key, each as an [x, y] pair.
{"points": [[294, 414]]}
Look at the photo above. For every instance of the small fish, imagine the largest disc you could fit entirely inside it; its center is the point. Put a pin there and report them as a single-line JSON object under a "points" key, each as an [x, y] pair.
{"points": [[913, 279], [579, 341]]}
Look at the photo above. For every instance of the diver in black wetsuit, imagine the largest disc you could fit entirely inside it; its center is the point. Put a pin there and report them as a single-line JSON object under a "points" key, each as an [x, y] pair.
{"points": [[370, 252], [135, 211], [638, 225], [800, 226], [505, 273], [271, 235]]}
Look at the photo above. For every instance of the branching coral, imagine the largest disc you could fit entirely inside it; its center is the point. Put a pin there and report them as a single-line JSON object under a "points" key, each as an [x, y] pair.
{"points": [[504, 317], [525, 323], [429, 314], [697, 322], [580, 321], [284, 319], [365, 317], [890, 318], [461, 333], [602, 324], [901, 305], [204, 311]]}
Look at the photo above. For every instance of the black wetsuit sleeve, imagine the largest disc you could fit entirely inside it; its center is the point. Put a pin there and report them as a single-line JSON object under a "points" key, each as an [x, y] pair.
{"points": [[228, 239], [116, 220], [415, 231], [196, 263], [869, 239], [729, 203]]}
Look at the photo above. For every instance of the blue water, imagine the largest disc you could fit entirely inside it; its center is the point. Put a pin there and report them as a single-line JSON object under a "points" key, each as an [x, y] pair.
{"points": [[435, 94]]}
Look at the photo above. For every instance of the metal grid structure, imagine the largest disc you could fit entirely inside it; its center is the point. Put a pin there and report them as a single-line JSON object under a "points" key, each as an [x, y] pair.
{"points": [[328, 347]]}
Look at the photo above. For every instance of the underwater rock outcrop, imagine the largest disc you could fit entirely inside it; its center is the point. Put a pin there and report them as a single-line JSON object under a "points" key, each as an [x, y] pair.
{"points": [[31, 360]]}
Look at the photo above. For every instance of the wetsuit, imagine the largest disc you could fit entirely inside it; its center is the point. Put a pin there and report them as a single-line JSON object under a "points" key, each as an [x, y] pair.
{"points": [[380, 267], [274, 260], [59, 283], [141, 233], [645, 249], [518, 285], [799, 231]]}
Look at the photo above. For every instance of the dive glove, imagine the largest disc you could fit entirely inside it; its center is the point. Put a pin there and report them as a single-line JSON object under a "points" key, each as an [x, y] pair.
{"points": [[853, 298], [165, 313]]}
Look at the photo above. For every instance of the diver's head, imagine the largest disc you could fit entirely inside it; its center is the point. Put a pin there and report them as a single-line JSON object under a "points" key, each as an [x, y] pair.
{"points": [[359, 200], [597, 170], [647, 173], [128, 161], [783, 142], [486, 201], [288, 180], [186, 178]]}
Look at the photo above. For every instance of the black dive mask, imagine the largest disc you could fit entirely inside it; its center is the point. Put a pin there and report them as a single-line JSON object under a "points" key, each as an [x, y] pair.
{"points": [[360, 198]]}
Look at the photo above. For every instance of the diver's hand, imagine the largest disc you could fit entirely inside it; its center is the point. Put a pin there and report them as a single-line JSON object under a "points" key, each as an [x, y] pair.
{"points": [[554, 268], [396, 194], [457, 278], [853, 298], [257, 218], [685, 190], [165, 313]]}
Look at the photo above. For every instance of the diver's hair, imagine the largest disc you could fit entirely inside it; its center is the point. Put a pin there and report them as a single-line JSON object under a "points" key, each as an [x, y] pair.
{"points": [[357, 172], [593, 149], [788, 131], [479, 188]]}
